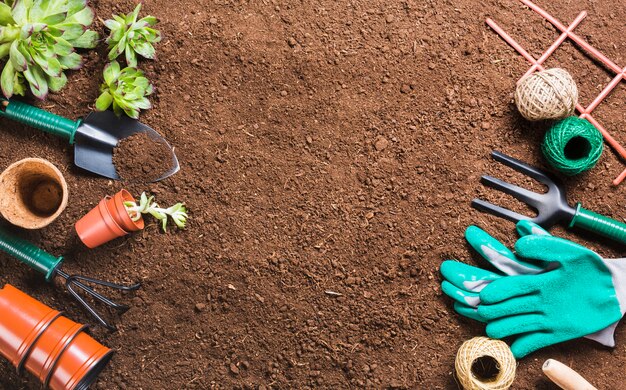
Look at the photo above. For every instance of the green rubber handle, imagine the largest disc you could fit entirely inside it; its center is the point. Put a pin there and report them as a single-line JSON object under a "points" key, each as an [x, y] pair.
{"points": [[29, 254], [596, 223], [39, 119]]}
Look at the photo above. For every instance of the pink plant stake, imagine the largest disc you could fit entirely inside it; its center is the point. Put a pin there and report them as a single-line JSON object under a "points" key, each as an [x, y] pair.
{"points": [[537, 64]]}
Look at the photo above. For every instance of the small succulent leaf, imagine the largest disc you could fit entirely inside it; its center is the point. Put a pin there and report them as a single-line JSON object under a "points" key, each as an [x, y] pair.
{"points": [[132, 113], [7, 79], [143, 104], [40, 87], [88, 40], [111, 72], [4, 49], [57, 83], [17, 58], [19, 87], [83, 17], [117, 109], [20, 11], [62, 47], [5, 15], [71, 61], [74, 6], [148, 20], [131, 57], [26, 31], [112, 24], [73, 31], [104, 101], [132, 17], [145, 49], [119, 19]]}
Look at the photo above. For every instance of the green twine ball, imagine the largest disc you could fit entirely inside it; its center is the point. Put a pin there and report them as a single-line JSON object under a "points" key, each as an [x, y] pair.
{"points": [[572, 145]]}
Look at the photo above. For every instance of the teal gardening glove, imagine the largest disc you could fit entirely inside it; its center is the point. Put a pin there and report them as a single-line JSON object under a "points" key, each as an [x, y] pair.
{"points": [[564, 290]]}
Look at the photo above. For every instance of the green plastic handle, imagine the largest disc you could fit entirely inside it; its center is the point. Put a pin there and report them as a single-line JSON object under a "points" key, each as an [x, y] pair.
{"points": [[596, 223], [39, 119], [29, 254]]}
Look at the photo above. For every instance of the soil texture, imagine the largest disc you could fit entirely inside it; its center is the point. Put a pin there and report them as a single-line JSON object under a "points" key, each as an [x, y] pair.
{"points": [[329, 151], [142, 158]]}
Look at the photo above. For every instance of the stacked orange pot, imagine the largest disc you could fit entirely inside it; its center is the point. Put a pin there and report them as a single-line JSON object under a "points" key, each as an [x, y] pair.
{"points": [[53, 348], [107, 221]]}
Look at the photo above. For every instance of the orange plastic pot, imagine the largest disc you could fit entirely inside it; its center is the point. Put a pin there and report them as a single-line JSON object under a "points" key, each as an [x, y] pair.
{"points": [[99, 226], [80, 364], [118, 210], [22, 321], [50, 345]]}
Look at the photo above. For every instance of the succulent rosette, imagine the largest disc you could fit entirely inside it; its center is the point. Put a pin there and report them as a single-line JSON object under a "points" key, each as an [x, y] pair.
{"points": [[40, 38], [124, 89], [132, 37]]}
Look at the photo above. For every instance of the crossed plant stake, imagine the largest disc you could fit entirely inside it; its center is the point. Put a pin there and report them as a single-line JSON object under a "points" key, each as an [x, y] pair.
{"points": [[537, 64]]}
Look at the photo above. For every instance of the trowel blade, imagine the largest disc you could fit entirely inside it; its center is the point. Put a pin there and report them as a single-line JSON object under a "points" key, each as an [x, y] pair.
{"points": [[99, 134]]}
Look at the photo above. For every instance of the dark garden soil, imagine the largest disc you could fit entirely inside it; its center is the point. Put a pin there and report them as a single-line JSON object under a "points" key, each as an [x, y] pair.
{"points": [[141, 158], [329, 151]]}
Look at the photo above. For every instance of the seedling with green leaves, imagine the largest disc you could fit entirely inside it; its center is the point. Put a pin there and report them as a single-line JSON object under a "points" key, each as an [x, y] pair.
{"points": [[40, 38], [131, 36], [147, 205], [125, 89]]}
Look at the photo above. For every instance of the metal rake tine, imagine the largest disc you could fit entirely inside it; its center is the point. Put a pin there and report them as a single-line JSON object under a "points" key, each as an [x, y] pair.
{"points": [[88, 307], [498, 211], [526, 196], [522, 167], [96, 295]]}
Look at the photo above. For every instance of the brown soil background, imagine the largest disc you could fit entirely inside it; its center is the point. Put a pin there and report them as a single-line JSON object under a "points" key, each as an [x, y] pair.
{"points": [[326, 145]]}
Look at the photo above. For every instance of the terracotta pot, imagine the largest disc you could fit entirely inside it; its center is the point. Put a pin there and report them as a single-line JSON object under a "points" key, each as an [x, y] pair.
{"points": [[80, 364], [50, 345], [33, 193], [118, 210], [99, 226], [22, 321]]}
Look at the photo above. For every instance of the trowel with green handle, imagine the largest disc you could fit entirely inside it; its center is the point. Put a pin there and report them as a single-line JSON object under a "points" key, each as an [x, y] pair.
{"points": [[94, 137]]}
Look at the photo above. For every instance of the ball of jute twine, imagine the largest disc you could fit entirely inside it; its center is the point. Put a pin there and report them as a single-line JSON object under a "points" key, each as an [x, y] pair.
{"points": [[478, 347], [549, 94]]}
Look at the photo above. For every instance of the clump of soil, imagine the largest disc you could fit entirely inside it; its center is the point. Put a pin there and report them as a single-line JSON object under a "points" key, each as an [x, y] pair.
{"points": [[142, 158]]}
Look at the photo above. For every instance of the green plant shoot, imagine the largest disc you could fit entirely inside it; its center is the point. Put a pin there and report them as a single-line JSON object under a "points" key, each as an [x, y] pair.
{"points": [[125, 89], [40, 38], [147, 205], [132, 37]]}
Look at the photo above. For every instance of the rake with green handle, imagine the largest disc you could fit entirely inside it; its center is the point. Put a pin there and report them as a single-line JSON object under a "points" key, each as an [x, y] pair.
{"points": [[551, 207], [94, 137], [49, 265]]}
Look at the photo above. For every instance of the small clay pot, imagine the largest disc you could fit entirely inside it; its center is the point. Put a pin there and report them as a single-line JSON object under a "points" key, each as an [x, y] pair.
{"points": [[22, 321], [116, 203], [80, 364], [50, 345], [99, 225], [33, 193]]}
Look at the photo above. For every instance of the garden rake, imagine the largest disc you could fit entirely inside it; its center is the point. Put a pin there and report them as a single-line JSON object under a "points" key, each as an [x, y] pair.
{"points": [[49, 265], [551, 207]]}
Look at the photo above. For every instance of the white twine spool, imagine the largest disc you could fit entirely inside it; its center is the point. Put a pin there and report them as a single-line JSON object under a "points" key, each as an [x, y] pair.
{"points": [[549, 94], [476, 348]]}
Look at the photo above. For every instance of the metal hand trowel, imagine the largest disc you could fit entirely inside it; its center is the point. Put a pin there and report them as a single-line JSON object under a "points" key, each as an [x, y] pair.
{"points": [[93, 137]]}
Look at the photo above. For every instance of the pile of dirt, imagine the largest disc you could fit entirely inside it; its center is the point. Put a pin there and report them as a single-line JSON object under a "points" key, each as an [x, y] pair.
{"points": [[142, 158]]}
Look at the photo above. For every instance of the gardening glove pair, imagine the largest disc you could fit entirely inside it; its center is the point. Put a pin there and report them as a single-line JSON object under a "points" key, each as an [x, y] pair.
{"points": [[554, 291]]}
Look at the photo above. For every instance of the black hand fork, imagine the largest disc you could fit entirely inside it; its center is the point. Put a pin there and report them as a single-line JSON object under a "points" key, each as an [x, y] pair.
{"points": [[75, 281], [49, 265], [551, 207]]}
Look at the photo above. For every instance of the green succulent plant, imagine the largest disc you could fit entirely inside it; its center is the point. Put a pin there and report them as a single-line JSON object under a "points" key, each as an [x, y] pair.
{"points": [[147, 205], [40, 37], [131, 36], [125, 89]]}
